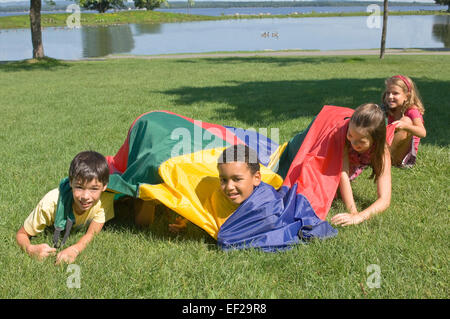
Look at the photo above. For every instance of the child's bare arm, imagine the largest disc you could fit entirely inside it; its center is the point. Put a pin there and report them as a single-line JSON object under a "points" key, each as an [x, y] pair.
{"points": [[40, 251], [381, 204], [69, 254], [384, 189], [345, 187], [414, 127], [418, 129]]}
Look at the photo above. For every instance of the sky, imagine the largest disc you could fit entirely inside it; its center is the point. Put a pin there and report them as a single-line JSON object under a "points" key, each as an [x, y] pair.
{"points": [[424, 1]]}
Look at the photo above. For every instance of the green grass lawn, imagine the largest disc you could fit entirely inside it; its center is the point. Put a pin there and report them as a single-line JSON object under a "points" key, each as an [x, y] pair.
{"points": [[54, 109]]}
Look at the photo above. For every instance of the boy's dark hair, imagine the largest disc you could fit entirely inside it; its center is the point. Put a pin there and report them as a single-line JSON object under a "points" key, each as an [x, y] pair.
{"points": [[88, 165], [240, 153]]}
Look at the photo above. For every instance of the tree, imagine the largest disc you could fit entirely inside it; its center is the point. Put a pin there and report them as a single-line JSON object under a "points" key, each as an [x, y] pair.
{"points": [[35, 25], [383, 33], [148, 4], [444, 2], [101, 5], [441, 31]]}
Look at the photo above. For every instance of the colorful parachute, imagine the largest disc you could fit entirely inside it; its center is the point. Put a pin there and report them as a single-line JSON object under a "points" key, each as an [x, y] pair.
{"points": [[173, 159]]}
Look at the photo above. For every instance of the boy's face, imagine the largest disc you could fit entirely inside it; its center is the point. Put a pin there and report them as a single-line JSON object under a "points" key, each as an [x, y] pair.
{"points": [[237, 181], [86, 194]]}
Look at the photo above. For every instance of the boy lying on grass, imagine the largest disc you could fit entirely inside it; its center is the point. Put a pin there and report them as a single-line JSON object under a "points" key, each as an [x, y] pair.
{"points": [[88, 178], [264, 217]]}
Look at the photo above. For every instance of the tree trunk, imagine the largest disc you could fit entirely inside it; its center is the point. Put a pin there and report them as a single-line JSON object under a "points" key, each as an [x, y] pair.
{"points": [[36, 33], [383, 33]]}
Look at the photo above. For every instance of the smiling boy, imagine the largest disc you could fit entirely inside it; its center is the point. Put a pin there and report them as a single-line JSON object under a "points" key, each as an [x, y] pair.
{"points": [[88, 178], [239, 173]]}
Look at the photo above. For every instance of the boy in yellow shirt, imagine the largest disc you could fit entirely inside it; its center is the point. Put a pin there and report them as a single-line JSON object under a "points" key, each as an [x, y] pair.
{"points": [[88, 178]]}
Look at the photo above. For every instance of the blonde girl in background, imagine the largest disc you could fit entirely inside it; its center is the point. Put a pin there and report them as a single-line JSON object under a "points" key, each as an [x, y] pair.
{"points": [[404, 109]]}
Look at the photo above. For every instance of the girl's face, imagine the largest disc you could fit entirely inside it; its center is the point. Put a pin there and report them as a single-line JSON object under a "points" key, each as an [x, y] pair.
{"points": [[237, 181], [359, 138], [395, 97]]}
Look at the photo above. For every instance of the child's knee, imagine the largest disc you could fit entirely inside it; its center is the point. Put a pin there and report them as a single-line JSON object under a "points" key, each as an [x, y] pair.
{"points": [[402, 135], [406, 120]]}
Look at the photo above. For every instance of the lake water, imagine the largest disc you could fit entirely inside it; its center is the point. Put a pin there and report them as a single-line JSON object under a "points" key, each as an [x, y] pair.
{"points": [[334, 33]]}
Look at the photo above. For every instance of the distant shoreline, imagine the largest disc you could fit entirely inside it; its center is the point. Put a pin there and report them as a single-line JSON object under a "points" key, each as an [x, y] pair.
{"points": [[61, 5], [150, 17]]}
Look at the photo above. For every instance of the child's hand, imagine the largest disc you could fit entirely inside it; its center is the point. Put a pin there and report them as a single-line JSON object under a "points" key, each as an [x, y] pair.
{"points": [[400, 125], [67, 255], [347, 219], [179, 225], [41, 251]]}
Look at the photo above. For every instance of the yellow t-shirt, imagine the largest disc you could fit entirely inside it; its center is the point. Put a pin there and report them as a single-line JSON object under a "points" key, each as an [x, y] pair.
{"points": [[44, 213]]}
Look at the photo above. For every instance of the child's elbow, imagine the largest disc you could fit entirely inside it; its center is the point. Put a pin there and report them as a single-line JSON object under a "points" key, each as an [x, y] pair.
{"points": [[421, 132], [22, 232], [386, 202], [424, 134]]}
